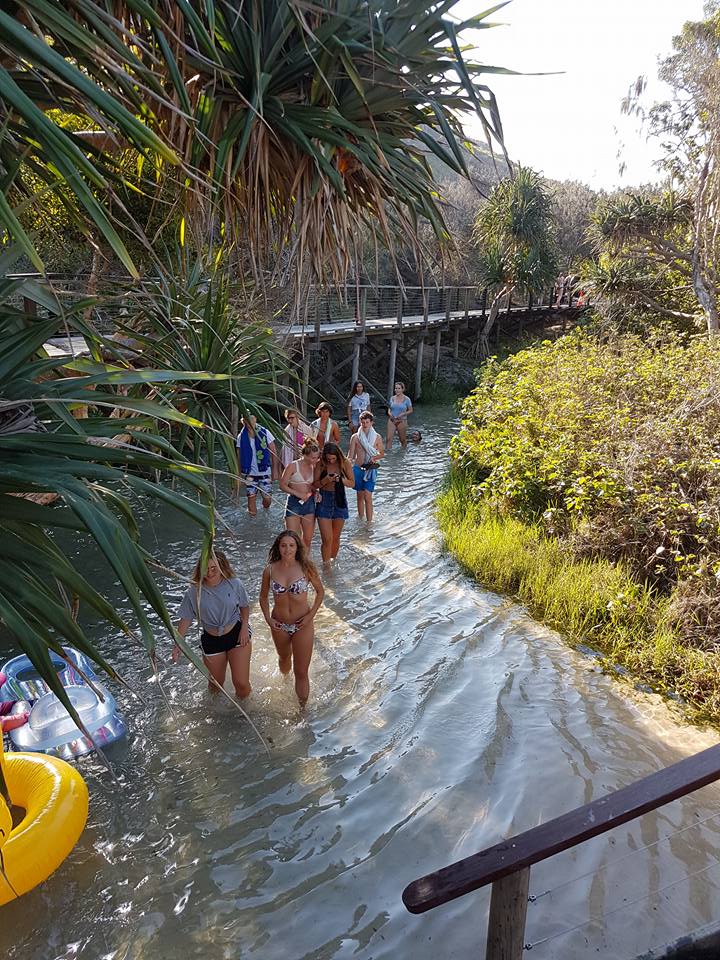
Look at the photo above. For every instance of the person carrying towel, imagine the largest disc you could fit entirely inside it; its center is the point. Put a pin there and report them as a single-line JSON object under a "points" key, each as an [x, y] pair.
{"points": [[327, 430], [366, 449], [258, 462]]}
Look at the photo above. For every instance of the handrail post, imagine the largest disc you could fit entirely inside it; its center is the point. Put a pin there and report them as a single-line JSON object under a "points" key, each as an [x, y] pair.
{"points": [[508, 910], [363, 309], [400, 308], [393, 362]]}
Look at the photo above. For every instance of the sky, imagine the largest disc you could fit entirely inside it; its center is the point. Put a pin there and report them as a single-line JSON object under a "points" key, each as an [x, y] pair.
{"points": [[569, 126]]}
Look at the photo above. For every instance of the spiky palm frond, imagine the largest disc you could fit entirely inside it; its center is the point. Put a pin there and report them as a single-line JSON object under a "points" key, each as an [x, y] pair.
{"points": [[292, 122], [92, 469], [514, 231], [640, 217], [198, 319]]}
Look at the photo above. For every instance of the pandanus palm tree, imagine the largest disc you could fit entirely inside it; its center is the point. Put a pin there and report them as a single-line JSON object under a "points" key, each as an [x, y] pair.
{"points": [[514, 232], [287, 123]]}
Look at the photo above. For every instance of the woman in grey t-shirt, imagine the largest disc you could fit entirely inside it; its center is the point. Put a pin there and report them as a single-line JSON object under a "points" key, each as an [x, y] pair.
{"points": [[221, 606]]}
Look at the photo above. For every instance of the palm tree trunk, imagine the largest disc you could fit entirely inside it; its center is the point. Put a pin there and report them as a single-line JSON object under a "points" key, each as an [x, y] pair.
{"points": [[484, 337]]}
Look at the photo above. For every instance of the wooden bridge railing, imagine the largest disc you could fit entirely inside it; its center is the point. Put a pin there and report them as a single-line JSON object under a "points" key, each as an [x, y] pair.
{"points": [[507, 864]]}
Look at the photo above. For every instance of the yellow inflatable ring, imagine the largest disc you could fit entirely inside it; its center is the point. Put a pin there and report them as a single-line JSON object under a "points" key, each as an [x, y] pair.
{"points": [[55, 799]]}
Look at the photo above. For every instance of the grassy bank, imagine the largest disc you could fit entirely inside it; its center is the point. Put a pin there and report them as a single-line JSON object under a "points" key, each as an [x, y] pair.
{"points": [[589, 601], [586, 483]]}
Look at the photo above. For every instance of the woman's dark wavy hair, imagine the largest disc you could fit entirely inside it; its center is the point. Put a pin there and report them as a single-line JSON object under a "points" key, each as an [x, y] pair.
{"points": [[333, 449], [354, 388], [301, 555]]}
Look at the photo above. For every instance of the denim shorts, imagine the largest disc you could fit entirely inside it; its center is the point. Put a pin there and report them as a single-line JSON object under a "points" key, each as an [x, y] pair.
{"points": [[364, 479], [327, 509], [296, 508]]}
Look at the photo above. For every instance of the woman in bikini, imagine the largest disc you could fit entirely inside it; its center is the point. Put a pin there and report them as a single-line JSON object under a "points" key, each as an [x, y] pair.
{"points": [[327, 430], [288, 574], [222, 607], [332, 474], [297, 482]]}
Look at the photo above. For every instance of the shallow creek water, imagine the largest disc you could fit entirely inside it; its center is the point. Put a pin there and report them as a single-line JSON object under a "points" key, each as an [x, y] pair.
{"points": [[441, 720]]}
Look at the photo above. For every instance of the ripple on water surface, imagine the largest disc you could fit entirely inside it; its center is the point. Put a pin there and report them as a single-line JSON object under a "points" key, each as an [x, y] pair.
{"points": [[442, 719]]}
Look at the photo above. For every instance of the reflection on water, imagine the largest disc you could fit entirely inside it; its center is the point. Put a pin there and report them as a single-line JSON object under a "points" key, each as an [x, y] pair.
{"points": [[441, 719]]}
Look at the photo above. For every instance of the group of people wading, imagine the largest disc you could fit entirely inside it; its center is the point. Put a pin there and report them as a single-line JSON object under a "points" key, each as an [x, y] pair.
{"points": [[315, 474]]}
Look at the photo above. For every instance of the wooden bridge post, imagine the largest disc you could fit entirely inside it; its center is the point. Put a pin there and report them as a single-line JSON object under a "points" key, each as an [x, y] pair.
{"points": [[418, 368], [426, 308], [467, 303], [391, 365], [508, 910], [400, 309], [355, 363], [436, 357], [456, 343]]}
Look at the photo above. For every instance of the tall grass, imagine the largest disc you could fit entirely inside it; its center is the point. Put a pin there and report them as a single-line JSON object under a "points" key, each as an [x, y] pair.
{"points": [[589, 601]]}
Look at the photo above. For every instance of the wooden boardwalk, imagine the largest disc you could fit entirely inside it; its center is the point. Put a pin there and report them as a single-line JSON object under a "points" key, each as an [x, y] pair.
{"points": [[409, 320], [339, 331]]}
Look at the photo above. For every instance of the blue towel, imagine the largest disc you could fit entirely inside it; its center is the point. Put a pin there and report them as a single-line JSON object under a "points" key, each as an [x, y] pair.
{"points": [[261, 449]]}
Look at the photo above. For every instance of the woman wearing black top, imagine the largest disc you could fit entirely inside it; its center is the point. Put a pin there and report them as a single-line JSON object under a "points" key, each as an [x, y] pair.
{"points": [[332, 474]]}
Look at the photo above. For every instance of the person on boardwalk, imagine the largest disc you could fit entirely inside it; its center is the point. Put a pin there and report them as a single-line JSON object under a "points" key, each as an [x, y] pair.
{"points": [[366, 449], [332, 474], [297, 482], [296, 433], [327, 430], [358, 402], [288, 574], [220, 603], [399, 410], [258, 462]]}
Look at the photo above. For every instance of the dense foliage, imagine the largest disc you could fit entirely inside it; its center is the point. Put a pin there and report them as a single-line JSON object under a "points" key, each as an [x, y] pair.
{"points": [[613, 448]]}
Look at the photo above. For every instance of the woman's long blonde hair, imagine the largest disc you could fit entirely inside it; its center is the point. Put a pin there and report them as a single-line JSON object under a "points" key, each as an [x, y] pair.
{"points": [[222, 561]]}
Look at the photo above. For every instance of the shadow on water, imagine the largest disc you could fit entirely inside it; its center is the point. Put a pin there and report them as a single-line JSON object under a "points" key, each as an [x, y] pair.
{"points": [[442, 718]]}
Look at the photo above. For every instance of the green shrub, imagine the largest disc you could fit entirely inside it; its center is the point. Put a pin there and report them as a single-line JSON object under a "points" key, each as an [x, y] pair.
{"points": [[614, 445], [587, 483]]}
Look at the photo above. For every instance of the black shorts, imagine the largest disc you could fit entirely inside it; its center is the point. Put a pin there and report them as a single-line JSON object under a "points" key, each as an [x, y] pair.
{"points": [[226, 641]]}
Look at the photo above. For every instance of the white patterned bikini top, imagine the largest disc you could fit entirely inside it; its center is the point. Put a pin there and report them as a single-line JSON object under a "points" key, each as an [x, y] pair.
{"points": [[297, 586]]}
